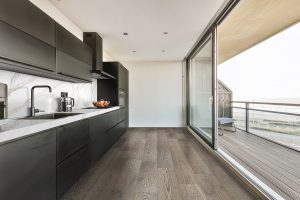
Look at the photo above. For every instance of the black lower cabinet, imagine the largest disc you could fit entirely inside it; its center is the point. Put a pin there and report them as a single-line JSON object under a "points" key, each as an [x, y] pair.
{"points": [[28, 168], [71, 138], [98, 126], [69, 171]]}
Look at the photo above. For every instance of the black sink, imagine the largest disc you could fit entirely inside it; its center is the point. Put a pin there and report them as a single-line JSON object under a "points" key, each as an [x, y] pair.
{"points": [[52, 116]]}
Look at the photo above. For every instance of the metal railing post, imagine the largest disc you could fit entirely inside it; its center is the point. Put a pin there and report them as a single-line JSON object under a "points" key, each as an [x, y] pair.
{"points": [[247, 117]]}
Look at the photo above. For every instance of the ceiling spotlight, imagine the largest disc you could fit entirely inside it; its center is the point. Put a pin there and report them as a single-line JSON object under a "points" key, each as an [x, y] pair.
{"points": [[165, 33], [125, 33]]}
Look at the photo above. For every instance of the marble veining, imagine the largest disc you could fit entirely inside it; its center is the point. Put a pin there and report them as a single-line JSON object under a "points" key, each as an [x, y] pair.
{"points": [[12, 129], [19, 86]]}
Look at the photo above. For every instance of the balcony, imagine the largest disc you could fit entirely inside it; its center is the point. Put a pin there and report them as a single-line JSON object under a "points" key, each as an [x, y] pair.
{"points": [[266, 143]]}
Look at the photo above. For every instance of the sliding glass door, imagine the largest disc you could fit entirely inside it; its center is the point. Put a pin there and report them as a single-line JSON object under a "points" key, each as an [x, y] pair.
{"points": [[202, 92]]}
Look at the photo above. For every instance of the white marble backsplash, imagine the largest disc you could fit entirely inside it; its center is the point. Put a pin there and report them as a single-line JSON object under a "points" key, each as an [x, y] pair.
{"points": [[19, 86]]}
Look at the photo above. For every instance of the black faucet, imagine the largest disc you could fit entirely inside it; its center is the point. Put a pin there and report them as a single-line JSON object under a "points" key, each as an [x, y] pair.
{"points": [[32, 108]]}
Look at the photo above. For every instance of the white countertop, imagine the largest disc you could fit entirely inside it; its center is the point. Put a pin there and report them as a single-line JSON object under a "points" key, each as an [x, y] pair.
{"points": [[11, 129]]}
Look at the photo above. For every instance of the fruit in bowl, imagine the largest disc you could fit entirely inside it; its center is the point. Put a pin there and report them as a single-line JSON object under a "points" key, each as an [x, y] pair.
{"points": [[101, 104]]}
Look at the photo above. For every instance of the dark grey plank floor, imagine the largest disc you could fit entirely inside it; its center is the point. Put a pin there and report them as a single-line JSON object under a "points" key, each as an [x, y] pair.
{"points": [[157, 163], [275, 165]]}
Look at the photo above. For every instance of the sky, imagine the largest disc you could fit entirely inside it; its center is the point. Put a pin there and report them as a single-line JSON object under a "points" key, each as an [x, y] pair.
{"points": [[269, 70]]}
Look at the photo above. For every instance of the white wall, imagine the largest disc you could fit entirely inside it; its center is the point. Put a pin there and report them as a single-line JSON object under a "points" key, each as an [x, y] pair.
{"points": [[155, 94]]}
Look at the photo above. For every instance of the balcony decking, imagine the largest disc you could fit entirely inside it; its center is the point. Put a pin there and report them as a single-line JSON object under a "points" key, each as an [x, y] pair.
{"points": [[275, 165]]}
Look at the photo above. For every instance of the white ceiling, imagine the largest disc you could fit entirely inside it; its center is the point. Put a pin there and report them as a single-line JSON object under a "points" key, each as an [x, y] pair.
{"points": [[144, 21]]}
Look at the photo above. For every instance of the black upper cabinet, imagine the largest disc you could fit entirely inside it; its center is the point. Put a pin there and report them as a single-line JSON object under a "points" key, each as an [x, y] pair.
{"points": [[25, 16], [28, 168], [72, 67], [116, 91], [18, 46], [93, 40], [123, 78], [71, 45]]}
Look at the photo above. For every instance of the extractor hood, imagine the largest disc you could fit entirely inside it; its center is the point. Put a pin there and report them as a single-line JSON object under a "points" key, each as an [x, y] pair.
{"points": [[93, 40]]}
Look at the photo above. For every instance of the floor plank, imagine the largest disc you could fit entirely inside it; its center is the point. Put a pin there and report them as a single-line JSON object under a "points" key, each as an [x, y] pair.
{"points": [[157, 164], [275, 165]]}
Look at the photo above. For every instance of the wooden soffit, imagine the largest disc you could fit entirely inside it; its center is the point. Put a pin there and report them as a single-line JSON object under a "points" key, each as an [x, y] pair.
{"points": [[253, 21]]}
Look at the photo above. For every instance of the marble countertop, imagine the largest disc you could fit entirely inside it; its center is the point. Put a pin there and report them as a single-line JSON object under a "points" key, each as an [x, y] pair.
{"points": [[12, 129]]}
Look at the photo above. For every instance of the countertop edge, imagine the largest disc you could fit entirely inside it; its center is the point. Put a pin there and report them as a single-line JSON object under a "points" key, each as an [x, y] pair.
{"points": [[41, 126]]}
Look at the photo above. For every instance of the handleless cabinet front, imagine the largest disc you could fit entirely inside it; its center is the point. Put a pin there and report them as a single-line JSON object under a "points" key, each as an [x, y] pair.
{"points": [[70, 170], [71, 45], [71, 67], [71, 138], [25, 16], [28, 168], [18, 46]]}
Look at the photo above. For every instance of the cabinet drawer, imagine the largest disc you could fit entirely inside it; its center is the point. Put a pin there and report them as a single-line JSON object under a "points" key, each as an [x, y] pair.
{"points": [[25, 16], [98, 125], [69, 66], [112, 119], [71, 45], [28, 168], [20, 47], [70, 170], [123, 114], [71, 138]]}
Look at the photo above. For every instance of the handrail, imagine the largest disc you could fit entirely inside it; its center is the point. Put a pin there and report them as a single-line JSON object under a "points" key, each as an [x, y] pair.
{"points": [[269, 111], [247, 109], [267, 103]]}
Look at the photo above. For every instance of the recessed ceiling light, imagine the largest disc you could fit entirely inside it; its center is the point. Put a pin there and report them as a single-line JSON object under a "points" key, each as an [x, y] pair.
{"points": [[133, 51], [165, 33], [163, 51], [125, 33]]}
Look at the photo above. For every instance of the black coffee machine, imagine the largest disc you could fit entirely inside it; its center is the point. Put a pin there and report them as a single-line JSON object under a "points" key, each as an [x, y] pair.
{"points": [[65, 103]]}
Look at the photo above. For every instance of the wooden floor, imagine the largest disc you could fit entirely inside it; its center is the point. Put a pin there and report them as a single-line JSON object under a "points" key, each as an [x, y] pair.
{"points": [[157, 163], [275, 165]]}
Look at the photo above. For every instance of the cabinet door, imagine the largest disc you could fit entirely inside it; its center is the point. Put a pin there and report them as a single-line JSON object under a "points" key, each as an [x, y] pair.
{"points": [[123, 112], [18, 46], [71, 45], [69, 171], [112, 119], [26, 17], [71, 138], [28, 168], [71, 67], [98, 127], [122, 77]]}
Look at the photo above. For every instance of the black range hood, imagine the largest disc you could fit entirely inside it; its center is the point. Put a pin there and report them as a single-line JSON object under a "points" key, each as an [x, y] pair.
{"points": [[93, 40]]}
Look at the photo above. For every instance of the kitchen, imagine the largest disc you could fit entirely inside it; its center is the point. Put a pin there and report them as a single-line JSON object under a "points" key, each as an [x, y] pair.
{"points": [[76, 123]]}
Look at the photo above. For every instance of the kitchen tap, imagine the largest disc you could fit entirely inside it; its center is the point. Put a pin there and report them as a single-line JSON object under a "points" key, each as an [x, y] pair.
{"points": [[33, 110]]}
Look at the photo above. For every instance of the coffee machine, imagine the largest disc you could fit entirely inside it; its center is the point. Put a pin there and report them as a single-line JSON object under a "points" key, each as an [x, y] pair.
{"points": [[65, 103], [3, 101]]}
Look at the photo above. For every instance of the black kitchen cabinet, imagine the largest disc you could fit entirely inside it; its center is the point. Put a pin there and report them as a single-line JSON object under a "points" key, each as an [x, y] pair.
{"points": [[28, 168], [123, 114], [69, 171], [71, 67], [98, 126], [71, 45], [93, 40], [18, 46], [25, 16], [71, 138], [116, 91]]}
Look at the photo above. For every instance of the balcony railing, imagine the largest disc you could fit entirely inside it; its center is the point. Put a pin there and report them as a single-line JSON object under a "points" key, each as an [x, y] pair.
{"points": [[279, 122]]}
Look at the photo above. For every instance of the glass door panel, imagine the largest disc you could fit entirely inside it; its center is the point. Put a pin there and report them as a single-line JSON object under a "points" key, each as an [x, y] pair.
{"points": [[201, 91]]}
